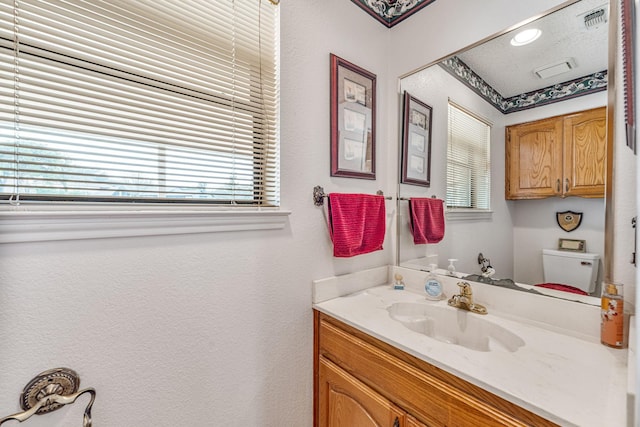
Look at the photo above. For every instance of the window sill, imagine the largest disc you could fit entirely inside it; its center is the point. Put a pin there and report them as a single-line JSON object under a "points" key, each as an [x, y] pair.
{"points": [[38, 223], [469, 215]]}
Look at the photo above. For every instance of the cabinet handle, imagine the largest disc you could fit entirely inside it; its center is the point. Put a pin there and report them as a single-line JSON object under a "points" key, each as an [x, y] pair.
{"points": [[566, 185], [557, 185], [396, 423]]}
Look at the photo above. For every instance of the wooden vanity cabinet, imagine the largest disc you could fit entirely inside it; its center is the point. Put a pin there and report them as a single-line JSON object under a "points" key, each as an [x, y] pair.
{"points": [[557, 157], [345, 401], [361, 381]]}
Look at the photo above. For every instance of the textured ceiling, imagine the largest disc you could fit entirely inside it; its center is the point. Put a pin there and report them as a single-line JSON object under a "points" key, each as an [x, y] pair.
{"points": [[391, 12], [510, 70]]}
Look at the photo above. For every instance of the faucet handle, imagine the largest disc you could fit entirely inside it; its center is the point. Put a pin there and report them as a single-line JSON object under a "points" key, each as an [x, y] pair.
{"points": [[465, 289]]}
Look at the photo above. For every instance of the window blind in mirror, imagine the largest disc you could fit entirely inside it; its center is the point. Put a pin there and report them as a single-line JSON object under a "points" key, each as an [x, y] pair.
{"points": [[468, 162]]}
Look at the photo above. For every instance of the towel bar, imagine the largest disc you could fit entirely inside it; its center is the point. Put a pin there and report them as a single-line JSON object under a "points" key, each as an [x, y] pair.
{"points": [[409, 198], [319, 195], [51, 390]]}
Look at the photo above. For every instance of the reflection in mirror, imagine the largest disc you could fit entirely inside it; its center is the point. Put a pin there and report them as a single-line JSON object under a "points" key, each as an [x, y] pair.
{"points": [[564, 71]]}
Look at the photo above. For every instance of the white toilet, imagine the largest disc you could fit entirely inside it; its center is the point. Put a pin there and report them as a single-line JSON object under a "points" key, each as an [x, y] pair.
{"points": [[576, 269]]}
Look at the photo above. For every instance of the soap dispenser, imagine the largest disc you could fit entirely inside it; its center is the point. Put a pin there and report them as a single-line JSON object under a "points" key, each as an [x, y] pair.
{"points": [[432, 286], [399, 283], [612, 316], [451, 269]]}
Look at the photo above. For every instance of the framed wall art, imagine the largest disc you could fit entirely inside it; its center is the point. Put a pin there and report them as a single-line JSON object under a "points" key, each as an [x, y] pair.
{"points": [[416, 142], [353, 120]]}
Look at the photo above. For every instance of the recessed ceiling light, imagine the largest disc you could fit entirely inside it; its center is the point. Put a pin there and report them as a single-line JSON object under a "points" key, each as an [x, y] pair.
{"points": [[525, 37]]}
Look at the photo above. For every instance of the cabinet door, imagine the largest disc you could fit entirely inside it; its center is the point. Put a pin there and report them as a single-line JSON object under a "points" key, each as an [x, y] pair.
{"points": [[585, 153], [412, 422], [346, 402], [533, 167]]}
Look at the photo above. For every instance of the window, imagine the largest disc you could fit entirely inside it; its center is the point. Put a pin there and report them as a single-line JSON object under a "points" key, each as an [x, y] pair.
{"points": [[140, 101], [468, 165]]}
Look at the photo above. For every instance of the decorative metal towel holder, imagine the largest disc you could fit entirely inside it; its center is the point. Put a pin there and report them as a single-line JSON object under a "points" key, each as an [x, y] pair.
{"points": [[319, 195], [409, 198], [49, 391]]}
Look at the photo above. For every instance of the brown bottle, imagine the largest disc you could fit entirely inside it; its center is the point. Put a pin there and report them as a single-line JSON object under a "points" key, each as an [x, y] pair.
{"points": [[612, 316]]}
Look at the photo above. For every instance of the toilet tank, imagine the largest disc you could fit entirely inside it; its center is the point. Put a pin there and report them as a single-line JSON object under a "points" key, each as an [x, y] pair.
{"points": [[577, 269]]}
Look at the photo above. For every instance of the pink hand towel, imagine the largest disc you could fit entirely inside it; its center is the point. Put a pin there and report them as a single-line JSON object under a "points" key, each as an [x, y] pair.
{"points": [[356, 223], [427, 220]]}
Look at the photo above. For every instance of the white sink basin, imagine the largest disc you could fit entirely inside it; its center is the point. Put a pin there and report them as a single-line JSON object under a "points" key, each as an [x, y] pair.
{"points": [[454, 326]]}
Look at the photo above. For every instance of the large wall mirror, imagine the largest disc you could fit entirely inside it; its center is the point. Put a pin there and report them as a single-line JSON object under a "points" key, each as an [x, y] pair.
{"points": [[563, 71]]}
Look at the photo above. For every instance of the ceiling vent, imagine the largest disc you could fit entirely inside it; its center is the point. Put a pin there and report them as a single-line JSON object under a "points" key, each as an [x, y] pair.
{"points": [[550, 70], [596, 17]]}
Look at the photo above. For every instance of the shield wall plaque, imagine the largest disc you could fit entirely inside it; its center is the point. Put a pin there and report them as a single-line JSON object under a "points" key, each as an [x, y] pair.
{"points": [[569, 220]]}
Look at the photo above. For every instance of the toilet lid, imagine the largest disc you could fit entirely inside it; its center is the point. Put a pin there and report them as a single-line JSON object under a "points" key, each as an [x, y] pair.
{"points": [[561, 287]]}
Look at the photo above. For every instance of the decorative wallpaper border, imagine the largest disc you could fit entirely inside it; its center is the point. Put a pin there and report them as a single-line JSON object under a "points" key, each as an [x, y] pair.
{"points": [[391, 12], [570, 89]]}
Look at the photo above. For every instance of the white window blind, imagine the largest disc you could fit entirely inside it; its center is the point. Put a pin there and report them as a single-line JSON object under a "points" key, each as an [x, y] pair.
{"points": [[468, 164], [139, 100]]}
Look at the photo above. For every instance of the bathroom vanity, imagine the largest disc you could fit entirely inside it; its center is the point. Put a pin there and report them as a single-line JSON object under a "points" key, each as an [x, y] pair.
{"points": [[374, 366], [361, 378]]}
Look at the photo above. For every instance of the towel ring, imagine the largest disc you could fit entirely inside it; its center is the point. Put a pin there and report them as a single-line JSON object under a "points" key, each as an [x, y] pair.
{"points": [[51, 390]]}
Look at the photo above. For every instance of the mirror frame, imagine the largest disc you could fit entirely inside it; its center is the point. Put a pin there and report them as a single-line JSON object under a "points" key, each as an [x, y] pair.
{"points": [[609, 228]]}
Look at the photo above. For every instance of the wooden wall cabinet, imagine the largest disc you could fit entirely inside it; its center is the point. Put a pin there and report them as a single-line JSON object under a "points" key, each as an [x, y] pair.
{"points": [[361, 381], [557, 157]]}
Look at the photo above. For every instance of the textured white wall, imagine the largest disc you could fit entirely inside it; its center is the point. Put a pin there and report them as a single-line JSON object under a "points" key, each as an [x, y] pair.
{"points": [[181, 330], [536, 228], [463, 239], [216, 329]]}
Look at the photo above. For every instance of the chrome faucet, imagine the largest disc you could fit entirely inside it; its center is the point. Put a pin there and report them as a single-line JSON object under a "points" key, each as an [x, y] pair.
{"points": [[464, 300]]}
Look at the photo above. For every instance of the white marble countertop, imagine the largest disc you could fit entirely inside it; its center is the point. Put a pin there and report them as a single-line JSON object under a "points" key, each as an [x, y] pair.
{"points": [[565, 378]]}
